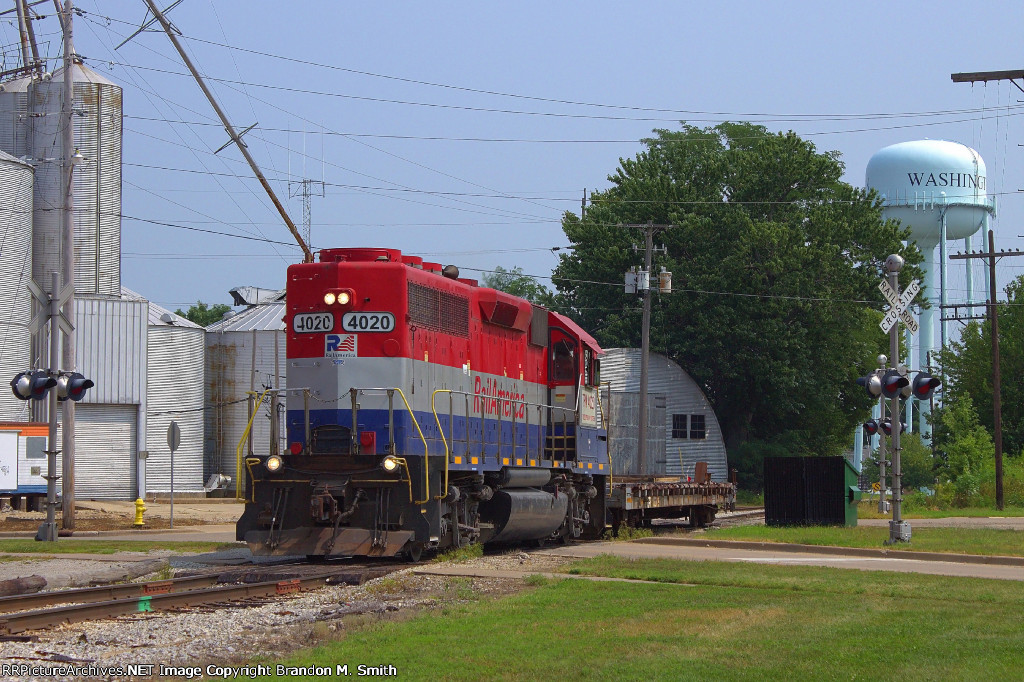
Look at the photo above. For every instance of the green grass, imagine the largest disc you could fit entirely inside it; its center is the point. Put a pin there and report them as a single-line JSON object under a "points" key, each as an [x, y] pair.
{"points": [[956, 540], [869, 510], [63, 546], [739, 622]]}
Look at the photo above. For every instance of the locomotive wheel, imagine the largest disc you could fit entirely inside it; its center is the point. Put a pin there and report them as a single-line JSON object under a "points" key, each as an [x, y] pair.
{"points": [[414, 553]]}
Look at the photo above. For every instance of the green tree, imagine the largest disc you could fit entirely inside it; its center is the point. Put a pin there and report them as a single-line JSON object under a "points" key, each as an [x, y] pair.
{"points": [[964, 448], [775, 262], [204, 315], [968, 368], [516, 283], [917, 466]]}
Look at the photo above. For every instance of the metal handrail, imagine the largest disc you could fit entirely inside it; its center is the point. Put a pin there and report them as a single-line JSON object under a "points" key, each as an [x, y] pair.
{"points": [[239, 479], [514, 403], [412, 415]]}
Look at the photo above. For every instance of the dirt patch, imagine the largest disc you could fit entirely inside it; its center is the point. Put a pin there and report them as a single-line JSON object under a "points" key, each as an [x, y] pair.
{"points": [[18, 523]]}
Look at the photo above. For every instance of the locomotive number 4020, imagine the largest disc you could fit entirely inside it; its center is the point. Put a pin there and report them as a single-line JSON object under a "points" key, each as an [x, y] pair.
{"points": [[368, 322], [309, 323]]}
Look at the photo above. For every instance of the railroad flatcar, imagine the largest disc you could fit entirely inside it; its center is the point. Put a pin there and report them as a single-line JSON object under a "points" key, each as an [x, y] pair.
{"points": [[425, 412]]}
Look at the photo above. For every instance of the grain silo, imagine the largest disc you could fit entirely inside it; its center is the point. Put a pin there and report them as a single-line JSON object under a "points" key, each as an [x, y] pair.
{"points": [[15, 300], [14, 117], [690, 427], [245, 353], [97, 179], [174, 392]]}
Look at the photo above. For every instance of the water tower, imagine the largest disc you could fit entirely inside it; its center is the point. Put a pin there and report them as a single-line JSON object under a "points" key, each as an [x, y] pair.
{"points": [[937, 189]]}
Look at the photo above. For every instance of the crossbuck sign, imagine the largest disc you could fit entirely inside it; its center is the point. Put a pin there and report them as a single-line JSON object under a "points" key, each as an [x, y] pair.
{"points": [[898, 305]]}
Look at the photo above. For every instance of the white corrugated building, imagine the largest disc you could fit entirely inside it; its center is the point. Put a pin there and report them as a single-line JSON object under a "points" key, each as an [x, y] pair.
{"points": [[245, 352], [690, 428], [174, 392]]}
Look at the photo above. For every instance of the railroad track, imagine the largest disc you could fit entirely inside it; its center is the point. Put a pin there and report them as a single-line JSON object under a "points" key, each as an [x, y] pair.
{"points": [[49, 609]]}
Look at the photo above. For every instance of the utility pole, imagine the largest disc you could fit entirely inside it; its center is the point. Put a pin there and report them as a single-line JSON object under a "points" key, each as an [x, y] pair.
{"points": [[643, 283], [307, 255], [67, 519], [993, 312]]}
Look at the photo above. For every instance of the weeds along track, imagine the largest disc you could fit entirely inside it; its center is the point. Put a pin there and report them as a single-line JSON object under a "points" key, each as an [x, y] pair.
{"points": [[249, 585]]}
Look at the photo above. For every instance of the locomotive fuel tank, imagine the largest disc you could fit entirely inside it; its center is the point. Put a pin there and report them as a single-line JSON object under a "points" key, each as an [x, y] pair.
{"points": [[524, 514]]}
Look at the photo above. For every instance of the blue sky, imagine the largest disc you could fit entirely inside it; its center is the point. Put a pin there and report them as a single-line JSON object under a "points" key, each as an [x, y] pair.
{"points": [[369, 83]]}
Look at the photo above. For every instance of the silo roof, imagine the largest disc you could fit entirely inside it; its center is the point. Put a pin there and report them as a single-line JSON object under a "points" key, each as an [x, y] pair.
{"points": [[158, 315], [264, 317], [4, 156], [82, 74]]}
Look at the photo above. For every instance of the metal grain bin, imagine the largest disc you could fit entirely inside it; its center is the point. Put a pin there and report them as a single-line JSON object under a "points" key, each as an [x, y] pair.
{"points": [[97, 180], [244, 352], [15, 300], [810, 491], [174, 392], [14, 123], [691, 430]]}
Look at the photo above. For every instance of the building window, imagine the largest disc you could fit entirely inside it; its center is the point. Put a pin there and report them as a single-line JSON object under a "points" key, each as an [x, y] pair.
{"points": [[35, 447], [679, 426], [697, 430]]}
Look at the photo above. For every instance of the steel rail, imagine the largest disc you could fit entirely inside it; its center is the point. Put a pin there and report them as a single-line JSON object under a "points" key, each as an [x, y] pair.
{"points": [[89, 595], [46, 618]]}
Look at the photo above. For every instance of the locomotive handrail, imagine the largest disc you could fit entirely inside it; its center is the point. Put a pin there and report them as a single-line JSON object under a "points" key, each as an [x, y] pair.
{"points": [[426, 450], [240, 482], [514, 402], [444, 440]]}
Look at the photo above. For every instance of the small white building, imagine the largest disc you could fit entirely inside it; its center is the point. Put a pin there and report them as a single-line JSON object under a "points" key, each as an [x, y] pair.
{"points": [[682, 427]]}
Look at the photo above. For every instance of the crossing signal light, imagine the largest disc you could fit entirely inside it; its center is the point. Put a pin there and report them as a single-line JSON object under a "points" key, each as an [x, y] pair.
{"points": [[924, 385], [886, 425], [871, 427], [872, 384], [72, 386], [892, 383], [32, 385]]}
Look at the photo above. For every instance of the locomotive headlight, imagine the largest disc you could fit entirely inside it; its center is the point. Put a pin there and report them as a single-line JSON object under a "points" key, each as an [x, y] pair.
{"points": [[343, 298], [330, 298], [273, 463], [389, 463]]}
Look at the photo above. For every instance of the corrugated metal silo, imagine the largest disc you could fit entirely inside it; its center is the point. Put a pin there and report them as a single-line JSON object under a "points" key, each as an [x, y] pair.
{"points": [[15, 300], [97, 181], [174, 392], [691, 429], [243, 352], [14, 123]]}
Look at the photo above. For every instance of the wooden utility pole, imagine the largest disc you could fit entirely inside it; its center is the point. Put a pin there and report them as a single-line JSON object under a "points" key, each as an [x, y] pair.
{"points": [[650, 229], [236, 137], [993, 308], [69, 158]]}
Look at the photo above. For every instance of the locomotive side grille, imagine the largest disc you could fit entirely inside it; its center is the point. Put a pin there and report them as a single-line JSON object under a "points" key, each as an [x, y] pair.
{"points": [[438, 310]]}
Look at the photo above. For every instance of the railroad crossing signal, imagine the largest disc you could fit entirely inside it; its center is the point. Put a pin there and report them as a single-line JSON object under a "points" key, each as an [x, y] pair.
{"points": [[32, 385], [871, 427], [872, 383], [924, 385], [72, 386], [893, 383], [898, 305]]}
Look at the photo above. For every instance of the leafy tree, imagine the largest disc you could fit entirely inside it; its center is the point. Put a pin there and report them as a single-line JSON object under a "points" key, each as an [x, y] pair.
{"points": [[775, 262], [204, 315], [964, 447], [516, 283], [916, 463], [968, 368]]}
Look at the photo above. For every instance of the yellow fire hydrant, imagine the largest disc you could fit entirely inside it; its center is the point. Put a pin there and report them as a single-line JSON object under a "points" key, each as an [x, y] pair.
{"points": [[140, 507]]}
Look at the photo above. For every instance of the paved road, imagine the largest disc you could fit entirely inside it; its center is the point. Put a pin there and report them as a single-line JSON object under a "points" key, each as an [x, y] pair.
{"points": [[998, 522], [782, 558]]}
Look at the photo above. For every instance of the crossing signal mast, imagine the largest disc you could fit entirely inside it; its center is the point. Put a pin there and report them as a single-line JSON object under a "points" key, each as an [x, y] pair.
{"points": [[893, 384]]}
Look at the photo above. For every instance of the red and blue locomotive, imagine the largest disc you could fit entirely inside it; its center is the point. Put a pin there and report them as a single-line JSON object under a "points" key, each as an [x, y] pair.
{"points": [[426, 412]]}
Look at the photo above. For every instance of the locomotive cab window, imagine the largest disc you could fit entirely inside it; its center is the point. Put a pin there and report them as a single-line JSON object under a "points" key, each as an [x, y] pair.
{"points": [[563, 358]]}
